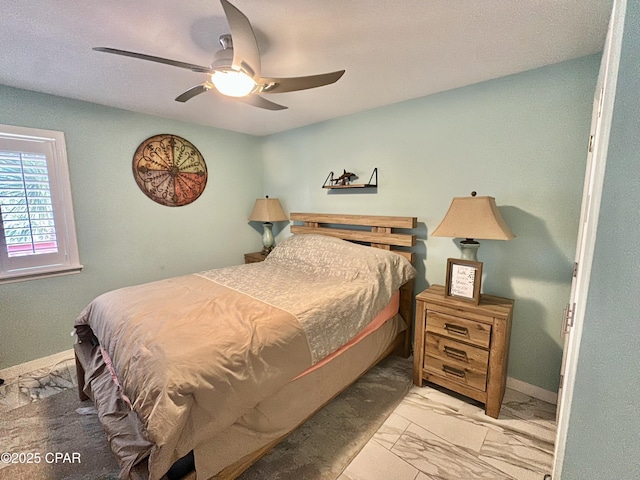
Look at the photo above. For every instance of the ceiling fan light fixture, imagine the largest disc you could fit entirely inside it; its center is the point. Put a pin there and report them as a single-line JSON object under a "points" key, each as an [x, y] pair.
{"points": [[229, 80], [233, 83]]}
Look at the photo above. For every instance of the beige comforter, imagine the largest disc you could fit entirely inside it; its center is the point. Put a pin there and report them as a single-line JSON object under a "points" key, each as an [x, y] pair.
{"points": [[194, 353]]}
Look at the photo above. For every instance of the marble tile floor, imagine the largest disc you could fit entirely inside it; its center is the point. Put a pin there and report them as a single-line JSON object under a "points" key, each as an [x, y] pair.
{"points": [[21, 388], [432, 434]]}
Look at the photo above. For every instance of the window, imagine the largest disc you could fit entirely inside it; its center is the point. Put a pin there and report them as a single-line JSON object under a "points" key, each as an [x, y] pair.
{"points": [[37, 231]]}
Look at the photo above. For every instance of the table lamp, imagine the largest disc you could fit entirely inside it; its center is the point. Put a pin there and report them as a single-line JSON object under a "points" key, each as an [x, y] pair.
{"points": [[267, 210], [473, 218]]}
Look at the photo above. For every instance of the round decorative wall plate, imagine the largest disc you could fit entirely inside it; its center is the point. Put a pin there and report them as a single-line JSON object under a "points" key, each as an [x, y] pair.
{"points": [[169, 170]]}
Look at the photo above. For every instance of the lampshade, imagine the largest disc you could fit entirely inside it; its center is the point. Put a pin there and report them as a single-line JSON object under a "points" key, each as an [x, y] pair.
{"points": [[473, 218], [267, 210]]}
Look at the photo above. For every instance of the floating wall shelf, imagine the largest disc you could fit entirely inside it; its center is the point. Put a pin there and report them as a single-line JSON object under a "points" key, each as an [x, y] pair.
{"points": [[343, 181]]}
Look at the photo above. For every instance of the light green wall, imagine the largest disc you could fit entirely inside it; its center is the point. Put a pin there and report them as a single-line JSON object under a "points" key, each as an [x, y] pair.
{"points": [[603, 440], [125, 238], [521, 139]]}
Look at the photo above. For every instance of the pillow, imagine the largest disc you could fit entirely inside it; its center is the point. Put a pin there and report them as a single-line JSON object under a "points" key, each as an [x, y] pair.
{"points": [[324, 255]]}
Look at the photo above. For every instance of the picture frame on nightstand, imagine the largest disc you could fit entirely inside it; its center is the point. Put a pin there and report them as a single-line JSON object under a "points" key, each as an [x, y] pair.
{"points": [[463, 280]]}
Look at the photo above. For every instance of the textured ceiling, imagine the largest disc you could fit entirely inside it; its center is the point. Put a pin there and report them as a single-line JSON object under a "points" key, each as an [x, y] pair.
{"points": [[392, 50]]}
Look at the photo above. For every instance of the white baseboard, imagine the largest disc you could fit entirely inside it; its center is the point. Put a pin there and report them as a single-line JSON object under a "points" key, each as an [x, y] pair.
{"points": [[44, 362], [532, 390]]}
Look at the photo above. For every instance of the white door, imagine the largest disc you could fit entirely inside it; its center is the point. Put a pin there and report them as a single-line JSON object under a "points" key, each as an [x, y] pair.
{"points": [[592, 191], [586, 230]]}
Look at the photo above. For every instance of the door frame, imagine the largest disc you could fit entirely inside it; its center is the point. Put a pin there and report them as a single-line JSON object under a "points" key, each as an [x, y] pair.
{"points": [[594, 179]]}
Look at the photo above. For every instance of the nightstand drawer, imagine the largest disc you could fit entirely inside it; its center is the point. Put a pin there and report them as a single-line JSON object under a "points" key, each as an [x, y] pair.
{"points": [[457, 354], [459, 329], [466, 376]]}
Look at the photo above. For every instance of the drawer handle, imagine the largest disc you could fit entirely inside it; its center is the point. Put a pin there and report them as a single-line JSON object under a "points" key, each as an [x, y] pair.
{"points": [[457, 329], [456, 354], [454, 371]]}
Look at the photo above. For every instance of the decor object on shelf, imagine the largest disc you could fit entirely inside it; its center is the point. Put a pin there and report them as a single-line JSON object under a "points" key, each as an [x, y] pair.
{"points": [[170, 170], [473, 218], [267, 210], [462, 346], [344, 181]]}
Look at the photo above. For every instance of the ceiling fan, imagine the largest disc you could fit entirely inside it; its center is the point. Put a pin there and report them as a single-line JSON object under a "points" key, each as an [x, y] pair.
{"points": [[235, 71]]}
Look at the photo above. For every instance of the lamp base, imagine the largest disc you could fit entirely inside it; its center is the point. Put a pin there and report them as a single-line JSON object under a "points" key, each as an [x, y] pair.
{"points": [[267, 238], [469, 249]]}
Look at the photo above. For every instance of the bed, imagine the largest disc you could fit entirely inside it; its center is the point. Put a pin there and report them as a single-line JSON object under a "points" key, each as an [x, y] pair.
{"points": [[215, 368]]}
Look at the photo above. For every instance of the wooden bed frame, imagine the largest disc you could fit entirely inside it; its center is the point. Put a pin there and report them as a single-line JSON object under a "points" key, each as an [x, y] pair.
{"points": [[376, 231]]}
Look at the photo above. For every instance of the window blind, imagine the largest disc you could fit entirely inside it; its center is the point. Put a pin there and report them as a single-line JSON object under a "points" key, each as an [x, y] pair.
{"points": [[26, 205]]}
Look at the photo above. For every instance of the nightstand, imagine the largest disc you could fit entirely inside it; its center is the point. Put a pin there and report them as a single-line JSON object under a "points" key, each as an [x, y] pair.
{"points": [[462, 346], [254, 257]]}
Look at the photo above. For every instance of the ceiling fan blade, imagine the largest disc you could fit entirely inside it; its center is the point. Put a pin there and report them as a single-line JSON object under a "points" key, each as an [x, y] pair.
{"points": [[245, 46], [292, 84], [151, 58], [258, 101], [193, 91]]}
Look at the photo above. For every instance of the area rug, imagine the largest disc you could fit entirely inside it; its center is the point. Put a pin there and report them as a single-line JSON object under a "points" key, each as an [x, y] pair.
{"points": [[318, 450]]}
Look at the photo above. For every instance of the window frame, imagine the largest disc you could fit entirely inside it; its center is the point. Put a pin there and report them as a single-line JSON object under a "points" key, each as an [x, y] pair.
{"points": [[66, 261]]}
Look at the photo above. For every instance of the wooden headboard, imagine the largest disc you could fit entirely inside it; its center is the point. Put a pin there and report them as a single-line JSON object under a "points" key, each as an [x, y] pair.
{"points": [[378, 232]]}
